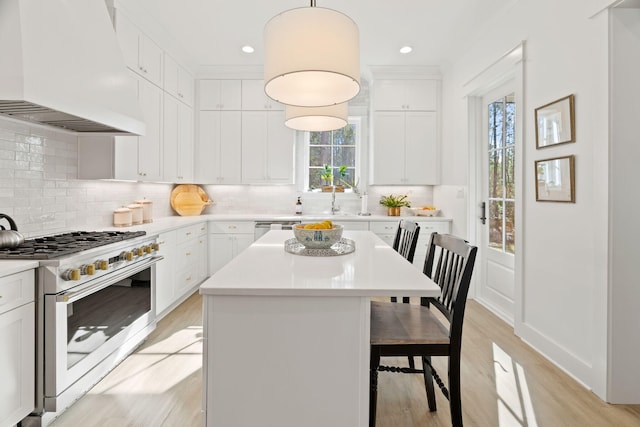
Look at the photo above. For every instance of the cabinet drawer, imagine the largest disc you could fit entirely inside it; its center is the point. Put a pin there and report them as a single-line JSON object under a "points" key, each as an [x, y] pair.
{"points": [[429, 227], [16, 290], [231, 227], [187, 254], [191, 232], [384, 227]]}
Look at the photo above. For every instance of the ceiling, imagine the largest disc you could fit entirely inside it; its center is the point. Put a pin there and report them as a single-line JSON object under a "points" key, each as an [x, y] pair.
{"points": [[212, 32]]}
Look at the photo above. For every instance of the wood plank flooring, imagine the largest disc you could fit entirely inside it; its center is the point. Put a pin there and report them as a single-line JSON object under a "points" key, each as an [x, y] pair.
{"points": [[505, 383]]}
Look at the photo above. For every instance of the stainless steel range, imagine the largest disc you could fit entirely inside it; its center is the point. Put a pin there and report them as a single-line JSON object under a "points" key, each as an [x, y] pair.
{"points": [[96, 304]]}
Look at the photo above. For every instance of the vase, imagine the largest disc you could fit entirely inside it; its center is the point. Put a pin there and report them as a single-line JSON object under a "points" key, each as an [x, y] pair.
{"points": [[393, 211]]}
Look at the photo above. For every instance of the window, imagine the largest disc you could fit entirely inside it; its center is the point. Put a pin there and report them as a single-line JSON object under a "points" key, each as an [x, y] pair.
{"points": [[333, 153]]}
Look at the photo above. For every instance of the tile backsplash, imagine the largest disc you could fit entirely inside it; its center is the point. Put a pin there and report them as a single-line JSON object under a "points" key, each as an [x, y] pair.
{"points": [[39, 189]]}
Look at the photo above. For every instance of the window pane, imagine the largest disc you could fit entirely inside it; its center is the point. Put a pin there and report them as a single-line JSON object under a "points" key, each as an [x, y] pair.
{"points": [[344, 156], [495, 173], [320, 138], [495, 224], [509, 173], [496, 112], [314, 178], [510, 125], [510, 227], [344, 136], [319, 156]]}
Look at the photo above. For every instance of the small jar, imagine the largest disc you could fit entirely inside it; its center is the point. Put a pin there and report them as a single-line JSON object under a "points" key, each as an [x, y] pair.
{"points": [[147, 210], [136, 213], [122, 217]]}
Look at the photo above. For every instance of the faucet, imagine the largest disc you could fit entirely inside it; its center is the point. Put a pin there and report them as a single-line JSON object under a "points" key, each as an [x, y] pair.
{"points": [[334, 208]]}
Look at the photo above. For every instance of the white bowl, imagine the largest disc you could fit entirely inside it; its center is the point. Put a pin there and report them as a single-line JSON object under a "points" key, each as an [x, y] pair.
{"points": [[425, 212], [317, 239]]}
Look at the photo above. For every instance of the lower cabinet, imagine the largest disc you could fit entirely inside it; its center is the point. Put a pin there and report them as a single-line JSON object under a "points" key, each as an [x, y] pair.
{"points": [[226, 240], [184, 265], [386, 230], [17, 346]]}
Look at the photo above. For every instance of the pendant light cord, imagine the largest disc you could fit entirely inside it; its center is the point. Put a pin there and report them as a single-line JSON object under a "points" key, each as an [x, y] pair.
{"points": [[313, 3]]}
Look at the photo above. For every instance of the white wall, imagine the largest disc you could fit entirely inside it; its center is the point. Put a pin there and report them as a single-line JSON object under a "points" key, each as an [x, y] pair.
{"points": [[563, 312]]}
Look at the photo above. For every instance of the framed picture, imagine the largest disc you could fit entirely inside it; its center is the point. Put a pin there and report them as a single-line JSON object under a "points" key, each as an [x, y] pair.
{"points": [[555, 180], [555, 123]]}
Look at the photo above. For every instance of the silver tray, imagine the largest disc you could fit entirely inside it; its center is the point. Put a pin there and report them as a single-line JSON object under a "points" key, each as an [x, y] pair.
{"points": [[341, 247]]}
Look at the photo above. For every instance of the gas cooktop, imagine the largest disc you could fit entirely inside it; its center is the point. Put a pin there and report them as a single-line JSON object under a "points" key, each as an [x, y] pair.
{"points": [[59, 245]]}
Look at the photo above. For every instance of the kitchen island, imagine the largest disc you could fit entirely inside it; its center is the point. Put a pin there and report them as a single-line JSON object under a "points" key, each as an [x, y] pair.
{"points": [[287, 336]]}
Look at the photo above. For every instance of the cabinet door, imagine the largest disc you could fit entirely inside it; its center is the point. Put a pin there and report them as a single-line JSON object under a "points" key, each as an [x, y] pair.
{"points": [[150, 59], [177, 141], [254, 147], [127, 34], [241, 242], [421, 149], [255, 98], [220, 94], [415, 95], [17, 350], [220, 251], [165, 271], [388, 148], [280, 149], [218, 149], [150, 145]]}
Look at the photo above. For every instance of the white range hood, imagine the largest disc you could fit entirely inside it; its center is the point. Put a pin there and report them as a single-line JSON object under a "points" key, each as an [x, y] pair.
{"points": [[61, 66]]}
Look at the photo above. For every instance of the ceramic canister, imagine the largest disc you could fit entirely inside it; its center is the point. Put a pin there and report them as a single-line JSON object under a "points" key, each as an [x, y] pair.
{"points": [[147, 210], [122, 217], [136, 213]]}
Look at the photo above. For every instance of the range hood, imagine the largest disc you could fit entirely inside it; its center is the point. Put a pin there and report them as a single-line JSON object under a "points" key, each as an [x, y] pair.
{"points": [[61, 66]]}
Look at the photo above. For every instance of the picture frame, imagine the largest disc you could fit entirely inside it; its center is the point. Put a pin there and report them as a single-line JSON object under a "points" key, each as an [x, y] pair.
{"points": [[555, 179], [555, 122]]}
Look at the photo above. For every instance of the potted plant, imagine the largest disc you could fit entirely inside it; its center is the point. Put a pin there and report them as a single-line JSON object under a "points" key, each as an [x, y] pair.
{"points": [[328, 177], [393, 203]]}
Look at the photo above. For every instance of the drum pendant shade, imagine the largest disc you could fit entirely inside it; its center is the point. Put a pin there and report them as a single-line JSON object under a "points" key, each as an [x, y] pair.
{"points": [[316, 119], [311, 57]]}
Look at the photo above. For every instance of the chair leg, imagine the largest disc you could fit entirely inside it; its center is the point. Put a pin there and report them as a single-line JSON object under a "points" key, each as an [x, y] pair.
{"points": [[455, 400], [373, 387], [428, 383]]}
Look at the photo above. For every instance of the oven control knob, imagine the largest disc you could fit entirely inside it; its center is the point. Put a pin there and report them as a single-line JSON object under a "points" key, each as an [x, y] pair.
{"points": [[141, 251], [156, 246], [88, 269], [102, 264], [71, 274], [128, 256], [148, 249]]}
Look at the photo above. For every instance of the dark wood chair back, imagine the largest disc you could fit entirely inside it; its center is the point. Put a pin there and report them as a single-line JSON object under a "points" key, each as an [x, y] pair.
{"points": [[406, 239]]}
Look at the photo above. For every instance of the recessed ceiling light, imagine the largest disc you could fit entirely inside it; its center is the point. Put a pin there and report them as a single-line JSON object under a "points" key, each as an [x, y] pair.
{"points": [[406, 49], [248, 49]]}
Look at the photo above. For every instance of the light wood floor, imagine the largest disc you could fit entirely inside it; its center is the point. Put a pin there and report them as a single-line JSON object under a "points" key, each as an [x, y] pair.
{"points": [[504, 382]]}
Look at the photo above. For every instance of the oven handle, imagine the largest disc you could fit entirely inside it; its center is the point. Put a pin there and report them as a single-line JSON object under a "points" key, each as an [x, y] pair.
{"points": [[69, 297]]}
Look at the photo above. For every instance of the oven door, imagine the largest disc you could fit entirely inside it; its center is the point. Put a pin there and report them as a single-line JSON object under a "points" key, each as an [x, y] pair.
{"points": [[85, 326]]}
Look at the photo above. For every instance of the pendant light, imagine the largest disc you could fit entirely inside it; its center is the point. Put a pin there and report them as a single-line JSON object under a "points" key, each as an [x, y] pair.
{"points": [[316, 119], [311, 57]]}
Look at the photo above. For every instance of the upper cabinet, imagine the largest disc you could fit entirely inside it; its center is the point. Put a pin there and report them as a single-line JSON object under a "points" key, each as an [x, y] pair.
{"points": [[178, 82], [220, 94], [407, 95], [177, 141], [141, 53], [218, 147], [255, 98]]}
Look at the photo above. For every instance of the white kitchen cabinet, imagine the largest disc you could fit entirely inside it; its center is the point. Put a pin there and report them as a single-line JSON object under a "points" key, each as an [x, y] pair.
{"points": [[165, 272], [219, 95], [191, 258], [267, 148], [405, 95], [178, 81], [178, 142], [255, 98], [141, 53], [127, 157], [352, 225], [226, 240], [219, 147], [387, 230], [17, 346], [405, 148]]}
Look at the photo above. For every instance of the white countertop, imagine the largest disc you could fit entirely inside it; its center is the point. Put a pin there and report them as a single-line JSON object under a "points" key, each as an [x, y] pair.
{"points": [[8, 267], [373, 269]]}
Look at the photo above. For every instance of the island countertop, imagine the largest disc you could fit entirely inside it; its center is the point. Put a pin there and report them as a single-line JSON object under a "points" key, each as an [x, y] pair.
{"points": [[266, 269]]}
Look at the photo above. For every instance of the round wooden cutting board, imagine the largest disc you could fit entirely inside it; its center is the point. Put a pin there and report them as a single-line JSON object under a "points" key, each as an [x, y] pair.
{"points": [[189, 200]]}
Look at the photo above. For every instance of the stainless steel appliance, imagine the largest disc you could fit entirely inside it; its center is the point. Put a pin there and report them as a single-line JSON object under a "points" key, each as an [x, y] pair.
{"points": [[262, 227], [95, 305]]}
